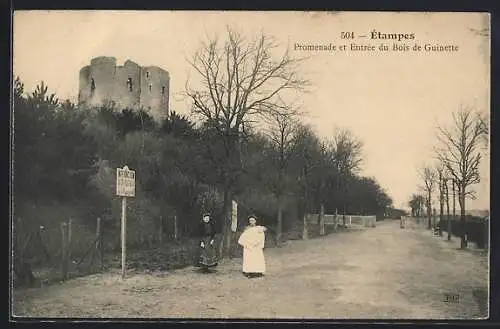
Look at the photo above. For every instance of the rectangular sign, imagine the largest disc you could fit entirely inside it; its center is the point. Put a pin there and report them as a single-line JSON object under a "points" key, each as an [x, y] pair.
{"points": [[125, 182], [234, 217]]}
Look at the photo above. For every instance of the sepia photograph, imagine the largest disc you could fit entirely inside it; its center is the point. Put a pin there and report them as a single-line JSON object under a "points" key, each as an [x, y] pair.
{"points": [[260, 165]]}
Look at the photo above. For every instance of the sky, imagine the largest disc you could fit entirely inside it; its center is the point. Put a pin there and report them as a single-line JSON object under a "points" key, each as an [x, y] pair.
{"points": [[391, 100]]}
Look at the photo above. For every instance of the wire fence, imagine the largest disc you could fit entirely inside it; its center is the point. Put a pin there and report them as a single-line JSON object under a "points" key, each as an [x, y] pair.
{"points": [[315, 226], [75, 248], [57, 252]]}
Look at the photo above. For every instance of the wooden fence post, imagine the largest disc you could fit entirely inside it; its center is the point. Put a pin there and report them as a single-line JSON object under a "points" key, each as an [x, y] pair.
{"points": [[175, 227], [42, 244], [99, 242], [304, 229], [64, 263], [124, 236], [335, 221], [68, 247], [160, 237]]}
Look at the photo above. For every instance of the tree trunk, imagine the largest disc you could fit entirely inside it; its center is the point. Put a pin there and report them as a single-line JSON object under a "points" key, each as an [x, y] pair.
{"points": [[463, 222], [448, 220], [344, 224], [434, 217], [305, 234], [279, 223], [176, 229], [64, 249], [429, 210], [322, 220], [441, 210], [306, 204], [227, 224], [336, 220], [223, 220], [454, 200]]}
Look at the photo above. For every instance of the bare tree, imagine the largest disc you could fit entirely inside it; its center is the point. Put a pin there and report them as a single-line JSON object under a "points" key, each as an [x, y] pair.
{"points": [[282, 127], [347, 155], [348, 151], [421, 203], [306, 161], [447, 198], [441, 187], [484, 128], [412, 203], [428, 175], [239, 79], [416, 204], [461, 156]]}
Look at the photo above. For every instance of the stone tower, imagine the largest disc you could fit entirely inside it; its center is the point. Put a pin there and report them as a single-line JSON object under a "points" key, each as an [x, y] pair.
{"points": [[129, 86]]}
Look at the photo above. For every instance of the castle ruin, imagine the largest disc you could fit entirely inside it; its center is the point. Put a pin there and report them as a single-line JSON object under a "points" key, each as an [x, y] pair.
{"points": [[129, 86]]}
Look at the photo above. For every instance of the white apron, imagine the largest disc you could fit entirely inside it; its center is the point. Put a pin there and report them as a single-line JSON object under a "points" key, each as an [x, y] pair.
{"points": [[252, 240]]}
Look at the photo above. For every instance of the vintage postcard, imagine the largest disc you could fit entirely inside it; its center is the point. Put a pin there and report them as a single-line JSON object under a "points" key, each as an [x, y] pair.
{"points": [[250, 165]]}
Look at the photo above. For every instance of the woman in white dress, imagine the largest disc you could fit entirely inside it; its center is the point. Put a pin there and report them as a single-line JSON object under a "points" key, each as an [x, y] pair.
{"points": [[252, 240]]}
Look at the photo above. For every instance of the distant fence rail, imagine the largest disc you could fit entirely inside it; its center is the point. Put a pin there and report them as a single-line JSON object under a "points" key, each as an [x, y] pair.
{"points": [[413, 222], [366, 221], [332, 222]]}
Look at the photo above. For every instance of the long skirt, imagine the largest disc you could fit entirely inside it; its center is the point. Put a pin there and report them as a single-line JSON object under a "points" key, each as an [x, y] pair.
{"points": [[253, 260], [208, 255]]}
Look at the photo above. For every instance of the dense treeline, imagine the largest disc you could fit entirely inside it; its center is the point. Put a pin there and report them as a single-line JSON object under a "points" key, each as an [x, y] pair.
{"points": [[68, 155], [65, 161]]}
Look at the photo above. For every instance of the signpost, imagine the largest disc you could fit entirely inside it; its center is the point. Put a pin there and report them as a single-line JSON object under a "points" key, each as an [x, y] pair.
{"points": [[125, 187]]}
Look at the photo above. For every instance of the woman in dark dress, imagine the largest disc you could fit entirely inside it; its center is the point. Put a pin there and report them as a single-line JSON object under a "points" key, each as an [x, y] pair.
{"points": [[208, 256]]}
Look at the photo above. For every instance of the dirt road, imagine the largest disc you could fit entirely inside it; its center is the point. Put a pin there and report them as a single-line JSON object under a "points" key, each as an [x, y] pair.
{"points": [[382, 272]]}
